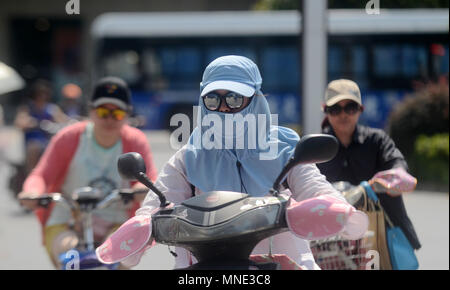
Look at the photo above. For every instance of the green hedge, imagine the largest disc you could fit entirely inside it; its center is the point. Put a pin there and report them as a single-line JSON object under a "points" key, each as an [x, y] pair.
{"points": [[425, 112], [419, 126], [430, 161]]}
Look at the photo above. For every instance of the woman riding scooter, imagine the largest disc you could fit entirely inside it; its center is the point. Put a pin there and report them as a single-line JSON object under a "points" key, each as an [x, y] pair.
{"points": [[85, 154], [363, 151], [246, 160]]}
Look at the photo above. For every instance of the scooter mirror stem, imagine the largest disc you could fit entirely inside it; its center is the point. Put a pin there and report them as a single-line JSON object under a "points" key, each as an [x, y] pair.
{"points": [[276, 185], [146, 181]]}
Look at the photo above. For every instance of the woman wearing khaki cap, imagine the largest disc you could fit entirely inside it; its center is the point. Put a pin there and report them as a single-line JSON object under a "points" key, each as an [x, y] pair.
{"points": [[363, 151]]}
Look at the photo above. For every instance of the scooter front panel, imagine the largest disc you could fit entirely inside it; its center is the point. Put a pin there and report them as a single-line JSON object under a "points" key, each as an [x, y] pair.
{"points": [[203, 216], [178, 230]]}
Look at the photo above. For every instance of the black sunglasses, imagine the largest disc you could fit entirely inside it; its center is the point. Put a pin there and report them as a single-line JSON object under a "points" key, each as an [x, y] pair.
{"points": [[351, 109], [213, 101]]}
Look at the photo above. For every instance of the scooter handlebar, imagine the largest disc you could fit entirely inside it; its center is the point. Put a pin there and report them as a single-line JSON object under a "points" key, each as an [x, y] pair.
{"points": [[125, 195], [44, 200]]}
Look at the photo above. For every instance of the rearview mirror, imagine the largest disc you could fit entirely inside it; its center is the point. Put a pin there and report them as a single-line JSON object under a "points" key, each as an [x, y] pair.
{"points": [[313, 148], [131, 165]]}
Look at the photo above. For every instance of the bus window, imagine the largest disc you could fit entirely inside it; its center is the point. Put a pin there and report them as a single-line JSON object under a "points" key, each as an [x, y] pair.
{"points": [[153, 79], [444, 63], [280, 68], [407, 61], [182, 60], [414, 61], [123, 64], [181, 66], [336, 62], [359, 66], [214, 52], [281, 81], [386, 60]]}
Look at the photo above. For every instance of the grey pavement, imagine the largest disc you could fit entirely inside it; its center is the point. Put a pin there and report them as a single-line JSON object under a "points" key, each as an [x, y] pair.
{"points": [[429, 213], [20, 238]]}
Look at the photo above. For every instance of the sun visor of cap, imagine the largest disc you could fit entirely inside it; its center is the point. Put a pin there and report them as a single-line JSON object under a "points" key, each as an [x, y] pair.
{"points": [[240, 88]]}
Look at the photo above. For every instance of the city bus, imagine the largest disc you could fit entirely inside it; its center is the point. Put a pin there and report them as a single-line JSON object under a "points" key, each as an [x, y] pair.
{"points": [[162, 55]]}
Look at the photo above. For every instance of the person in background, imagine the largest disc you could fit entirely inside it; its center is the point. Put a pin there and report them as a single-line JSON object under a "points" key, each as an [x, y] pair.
{"points": [[71, 101], [86, 154], [34, 119], [363, 151]]}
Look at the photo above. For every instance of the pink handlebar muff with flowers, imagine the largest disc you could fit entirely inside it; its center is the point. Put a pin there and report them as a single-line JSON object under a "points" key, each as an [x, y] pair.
{"points": [[128, 240], [395, 181], [325, 216]]}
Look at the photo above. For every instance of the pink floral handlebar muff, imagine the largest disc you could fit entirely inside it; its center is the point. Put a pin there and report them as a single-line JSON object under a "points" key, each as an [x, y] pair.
{"points": [[128, 240], [395, 181], [326, 216]]}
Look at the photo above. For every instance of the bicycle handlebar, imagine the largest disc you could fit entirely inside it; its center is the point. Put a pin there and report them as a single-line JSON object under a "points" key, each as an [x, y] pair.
{"points": [[118, 194]]}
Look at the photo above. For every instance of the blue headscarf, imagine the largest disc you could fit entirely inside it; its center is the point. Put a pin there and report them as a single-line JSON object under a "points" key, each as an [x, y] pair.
{"points": [[211, 163]]}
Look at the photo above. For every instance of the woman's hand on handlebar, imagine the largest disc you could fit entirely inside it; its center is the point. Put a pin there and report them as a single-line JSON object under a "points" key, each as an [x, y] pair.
{"points": [[140, 194], [28, 200]]}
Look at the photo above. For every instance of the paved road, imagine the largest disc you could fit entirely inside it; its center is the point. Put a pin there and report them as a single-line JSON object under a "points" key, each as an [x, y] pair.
{"points": [[20, 246]]}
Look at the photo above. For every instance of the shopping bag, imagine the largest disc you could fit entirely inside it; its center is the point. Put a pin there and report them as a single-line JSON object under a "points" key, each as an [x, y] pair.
{"points": [[377, 241], [400, 250], [395, 251]]}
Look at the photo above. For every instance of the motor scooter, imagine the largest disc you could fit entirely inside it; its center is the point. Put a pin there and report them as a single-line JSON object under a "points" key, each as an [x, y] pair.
{"points": [[221, 228]]}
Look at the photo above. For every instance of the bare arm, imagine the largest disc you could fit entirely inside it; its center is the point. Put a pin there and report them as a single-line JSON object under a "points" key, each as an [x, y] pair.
{"points": [[23, 119]]}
